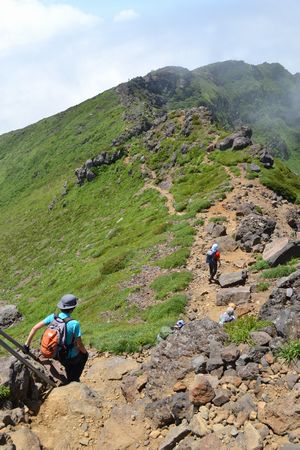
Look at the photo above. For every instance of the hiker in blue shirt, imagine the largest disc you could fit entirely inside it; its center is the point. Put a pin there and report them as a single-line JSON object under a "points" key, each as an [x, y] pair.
{"points": [[77, 354]]}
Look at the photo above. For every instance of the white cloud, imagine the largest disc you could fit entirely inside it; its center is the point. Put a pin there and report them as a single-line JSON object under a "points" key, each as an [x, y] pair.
{"points": [[126, 15], [24, 22]]}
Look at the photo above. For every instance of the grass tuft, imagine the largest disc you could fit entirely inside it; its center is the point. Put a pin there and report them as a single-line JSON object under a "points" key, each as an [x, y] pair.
{"points": [[176, 259], [290, 351], [240, 329], [173, 282]]}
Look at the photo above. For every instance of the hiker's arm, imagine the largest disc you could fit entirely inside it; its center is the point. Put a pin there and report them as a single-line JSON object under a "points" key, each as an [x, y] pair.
{"points": [[34, 329], [80, 345]]}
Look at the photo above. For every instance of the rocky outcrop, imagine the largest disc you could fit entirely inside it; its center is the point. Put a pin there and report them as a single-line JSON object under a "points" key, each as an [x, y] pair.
{"points": [[283, 307], [85, 172], [281, 250], [175, 354], [263, 154], [236, 141], [9, 314], [254, 232]]}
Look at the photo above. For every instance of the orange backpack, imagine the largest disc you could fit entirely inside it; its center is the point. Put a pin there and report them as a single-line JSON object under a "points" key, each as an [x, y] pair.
{"points": [[53, 342]]}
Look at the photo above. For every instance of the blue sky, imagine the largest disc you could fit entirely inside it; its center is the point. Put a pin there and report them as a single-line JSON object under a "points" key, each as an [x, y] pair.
{"points": [[57, 53]]}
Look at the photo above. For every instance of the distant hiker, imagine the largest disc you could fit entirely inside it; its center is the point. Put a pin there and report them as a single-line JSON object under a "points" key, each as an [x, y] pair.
{"points": [[212, 259], [227, 316], [62, 339], [179, 324]]}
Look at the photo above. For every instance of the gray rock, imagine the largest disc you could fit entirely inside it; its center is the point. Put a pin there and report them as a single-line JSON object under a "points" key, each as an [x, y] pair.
{"points": [[241, 142], [199, 364], [232, 278], [170, 409], [281, 250], [9, 314], [237, 295], [214, 362], [283, 310], [174, 436], [244, 404], [254, 168], [222, 396], [230, 354], [260, 337], [216, 229], [267, 159], [291, 379], [225, 143], [248, 372]]}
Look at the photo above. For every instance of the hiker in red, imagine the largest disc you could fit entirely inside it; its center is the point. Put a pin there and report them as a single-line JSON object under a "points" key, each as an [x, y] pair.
{"points": [[212, 259], [69, 350]]}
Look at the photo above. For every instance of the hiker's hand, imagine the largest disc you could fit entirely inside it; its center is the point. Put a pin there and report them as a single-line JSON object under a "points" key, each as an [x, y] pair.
{"points": [[26, 348]]}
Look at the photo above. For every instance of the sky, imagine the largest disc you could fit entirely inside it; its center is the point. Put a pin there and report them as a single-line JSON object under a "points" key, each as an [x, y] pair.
{"points": [[57, 53]]}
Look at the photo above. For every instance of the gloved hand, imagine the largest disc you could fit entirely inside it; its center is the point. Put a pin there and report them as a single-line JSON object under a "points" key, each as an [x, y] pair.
{"points": [[26, 348]]}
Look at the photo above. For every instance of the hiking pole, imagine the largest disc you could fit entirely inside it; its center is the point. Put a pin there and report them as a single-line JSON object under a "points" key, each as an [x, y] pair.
{"points": [[17, 344], [27, 363]]}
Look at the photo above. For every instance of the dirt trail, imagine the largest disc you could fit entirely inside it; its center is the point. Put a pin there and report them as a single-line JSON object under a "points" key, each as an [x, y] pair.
{"points": [[202, 293], [163, 188]]}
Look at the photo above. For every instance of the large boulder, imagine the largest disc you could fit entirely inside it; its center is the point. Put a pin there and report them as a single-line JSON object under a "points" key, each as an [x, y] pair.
{"points": [[254, 231], [9, 314], [267, 159], [283, 307], [281, 415], [232, 278], [237, 295], [175, 355], [281, 250], [236, 141], [216, 229]]}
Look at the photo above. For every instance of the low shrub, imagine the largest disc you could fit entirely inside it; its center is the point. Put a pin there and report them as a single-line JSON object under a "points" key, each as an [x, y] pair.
{"points": [[219, 219], [4, 393], [278, 272], [115, 264], [172, 282], [262, 287], [290, 351], [259, 265], [240, 329], [176, 259]]}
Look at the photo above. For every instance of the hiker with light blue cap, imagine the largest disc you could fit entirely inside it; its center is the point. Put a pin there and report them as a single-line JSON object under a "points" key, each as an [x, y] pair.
{"points": [[212, 259]]}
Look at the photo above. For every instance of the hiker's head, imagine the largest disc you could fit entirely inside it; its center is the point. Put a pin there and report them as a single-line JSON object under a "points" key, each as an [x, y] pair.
{"points": [[230, 311], [67, 303], [214, 247]]}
